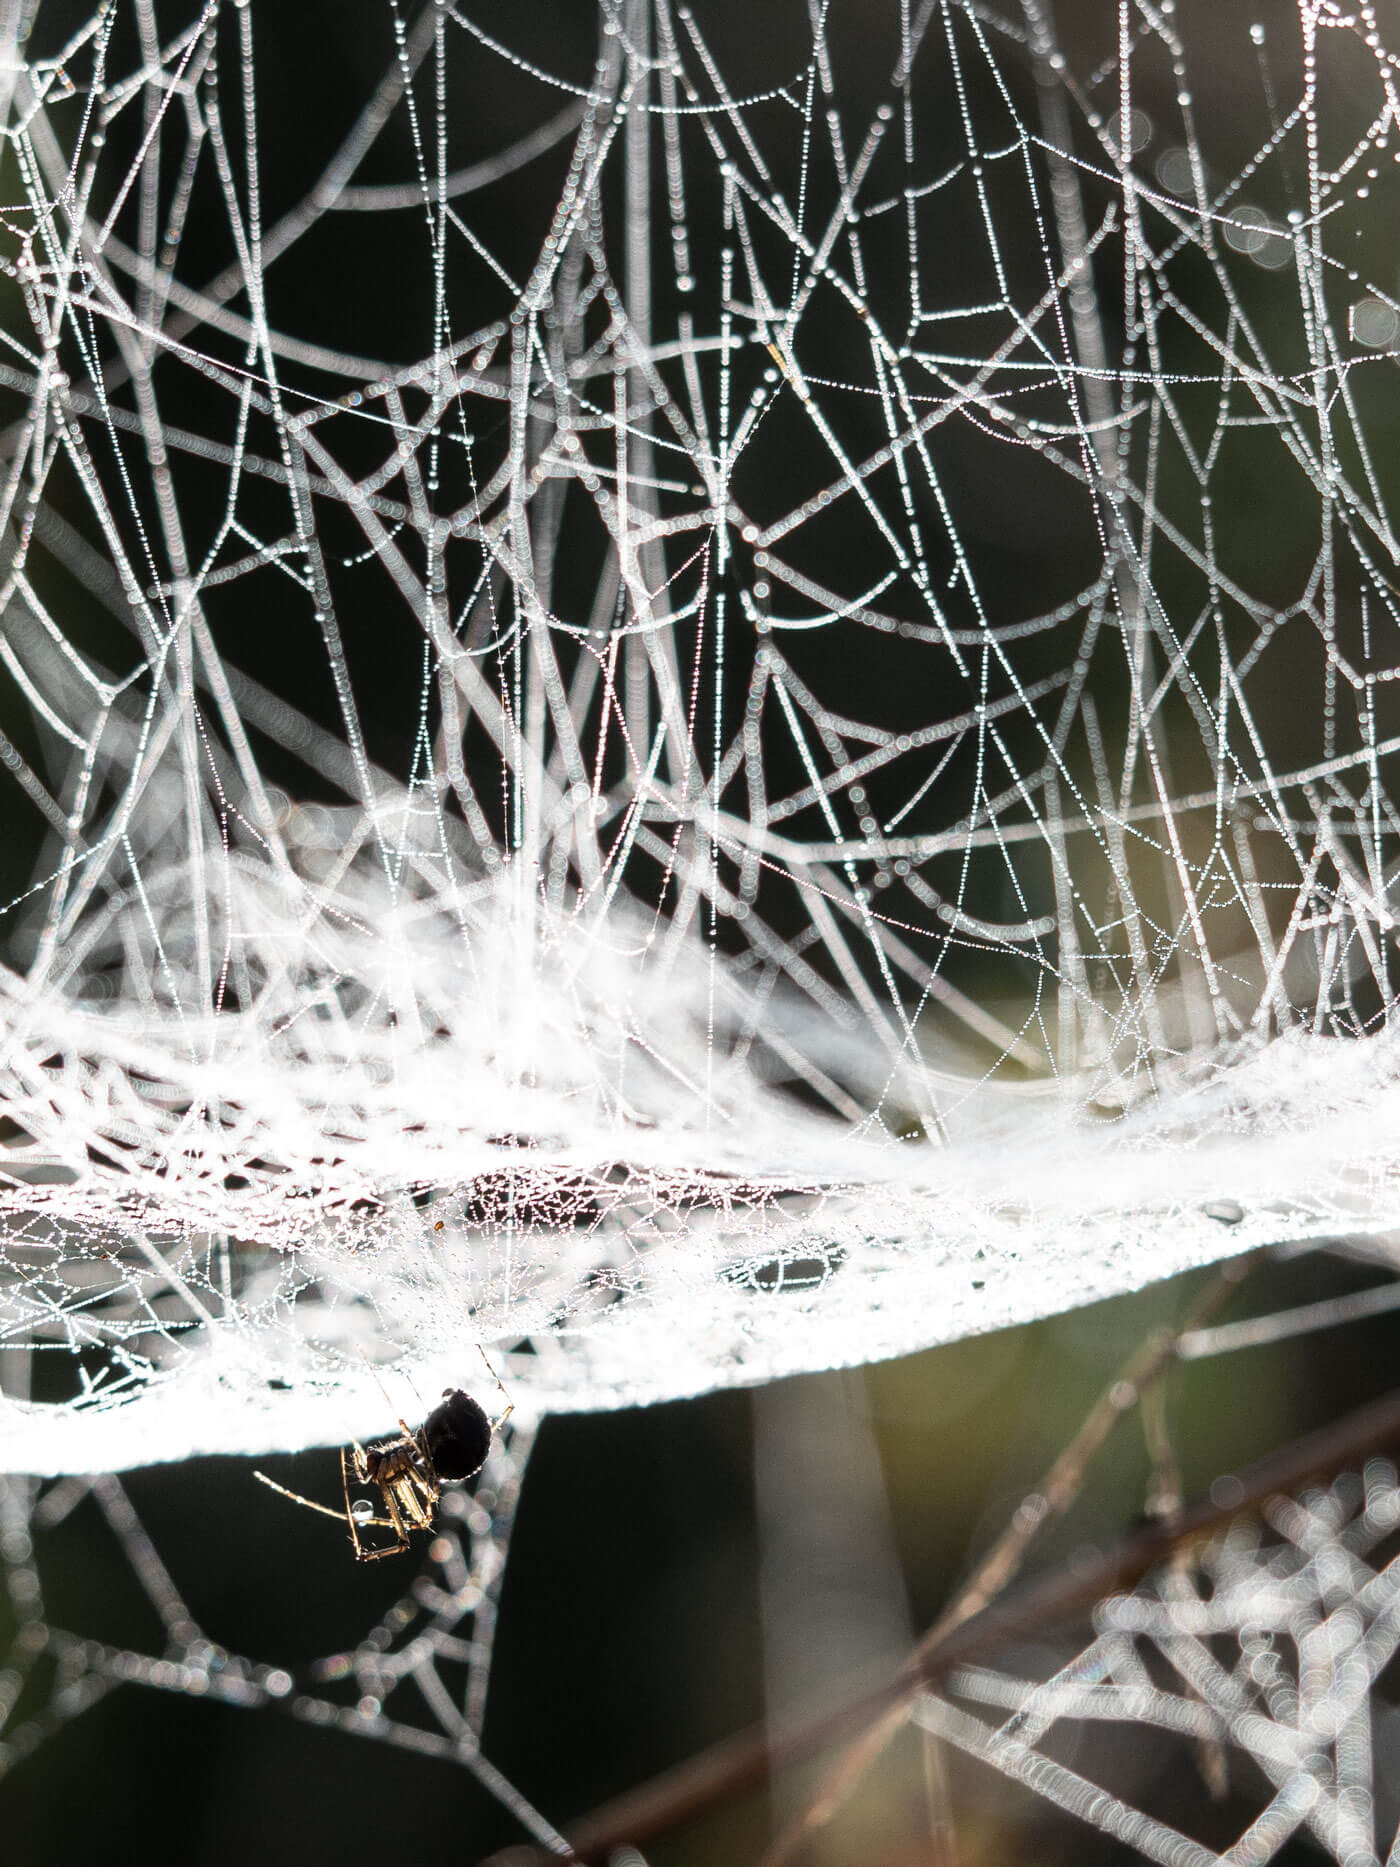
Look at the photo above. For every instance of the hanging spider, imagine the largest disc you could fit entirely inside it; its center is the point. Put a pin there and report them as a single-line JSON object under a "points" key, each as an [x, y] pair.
{"points": [[410, 1471]]}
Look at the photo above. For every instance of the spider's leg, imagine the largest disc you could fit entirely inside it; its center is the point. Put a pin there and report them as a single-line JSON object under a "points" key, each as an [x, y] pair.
{"points": [[389, 1549], [375, 1374], [500, 1385], [384, 1390], [296, 1496], [394, 1522], [496, 1425], [407, 1489], [345, 1488], [431, 1491], [391, 1505]]}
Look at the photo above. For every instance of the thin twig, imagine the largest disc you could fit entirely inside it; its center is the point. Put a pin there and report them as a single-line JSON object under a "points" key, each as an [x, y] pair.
{"points": [[1061, 1485]]}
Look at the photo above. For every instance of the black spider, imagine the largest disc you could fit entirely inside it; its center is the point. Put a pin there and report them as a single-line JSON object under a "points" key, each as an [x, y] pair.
{"points": [[410, 1471]]}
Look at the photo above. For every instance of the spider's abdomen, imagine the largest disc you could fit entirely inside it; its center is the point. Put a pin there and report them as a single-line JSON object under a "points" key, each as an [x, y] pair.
{"points": [[457, 1436]]}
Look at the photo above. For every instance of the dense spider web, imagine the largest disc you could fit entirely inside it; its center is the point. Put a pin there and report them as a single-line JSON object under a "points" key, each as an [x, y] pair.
{"points": [[742, 791], [691, 702]]}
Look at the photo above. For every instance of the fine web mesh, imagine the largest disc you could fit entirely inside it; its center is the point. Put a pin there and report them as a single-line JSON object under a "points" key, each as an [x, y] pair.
{"points": [[696, 708], [693, 702]]}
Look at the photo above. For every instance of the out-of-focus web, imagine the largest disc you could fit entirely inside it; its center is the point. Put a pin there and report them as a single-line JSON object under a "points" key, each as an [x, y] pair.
{"points": [[1269, 1649]]}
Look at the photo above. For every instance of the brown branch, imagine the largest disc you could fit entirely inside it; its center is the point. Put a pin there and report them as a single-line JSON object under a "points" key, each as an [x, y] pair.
{"points": [[748, 1758]]}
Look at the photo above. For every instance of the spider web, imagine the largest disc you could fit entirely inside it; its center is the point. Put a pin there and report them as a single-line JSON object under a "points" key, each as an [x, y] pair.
{"points": [[693, 704], [432, 1646], [786, 756], [1264, 1651]]}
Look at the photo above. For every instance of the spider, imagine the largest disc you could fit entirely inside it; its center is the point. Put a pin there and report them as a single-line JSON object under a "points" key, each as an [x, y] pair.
{"points": [[410, 1471]]}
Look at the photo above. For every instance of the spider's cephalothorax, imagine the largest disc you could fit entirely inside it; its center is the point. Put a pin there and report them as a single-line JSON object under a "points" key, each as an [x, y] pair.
{"points": [[387, 1464], [410, 1471]]}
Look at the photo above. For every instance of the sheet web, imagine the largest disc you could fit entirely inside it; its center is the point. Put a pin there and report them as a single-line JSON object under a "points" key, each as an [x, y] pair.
{"points": [[686, 704], [797, 764]]}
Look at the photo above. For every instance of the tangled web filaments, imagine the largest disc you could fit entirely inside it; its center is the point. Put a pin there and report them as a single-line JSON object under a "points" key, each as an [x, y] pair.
{"points": [[417, 1679], [1264, 1653], [810, 691]]}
